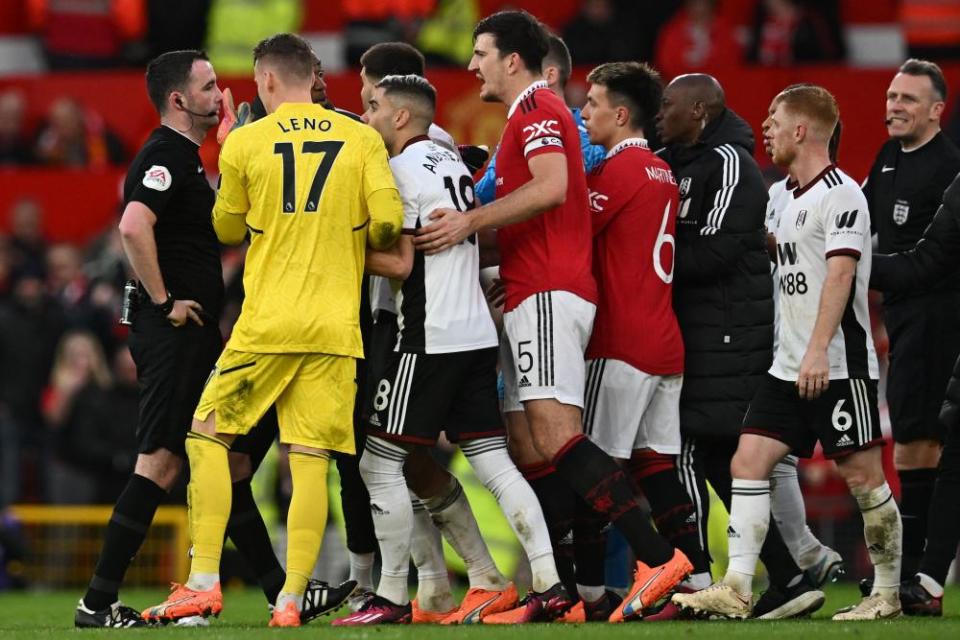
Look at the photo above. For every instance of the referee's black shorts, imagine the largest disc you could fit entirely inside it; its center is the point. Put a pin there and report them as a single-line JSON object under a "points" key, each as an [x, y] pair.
{"points": [[173, 364], [924, 343]]}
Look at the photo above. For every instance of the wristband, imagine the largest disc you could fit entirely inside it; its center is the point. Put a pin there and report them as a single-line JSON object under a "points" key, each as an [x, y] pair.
{"points": [[166, 306]]}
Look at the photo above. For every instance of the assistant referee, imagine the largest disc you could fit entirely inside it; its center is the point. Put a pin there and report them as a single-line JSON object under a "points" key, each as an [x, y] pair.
{"points": [[904, 190]]}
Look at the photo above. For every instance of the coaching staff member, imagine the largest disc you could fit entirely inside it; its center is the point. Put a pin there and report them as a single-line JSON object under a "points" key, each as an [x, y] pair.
{"points": [[169, 240], [906, 184]]}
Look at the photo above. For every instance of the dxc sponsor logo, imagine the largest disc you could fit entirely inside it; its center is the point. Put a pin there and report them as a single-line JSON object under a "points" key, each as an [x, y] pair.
{"points": [[542, 128]]}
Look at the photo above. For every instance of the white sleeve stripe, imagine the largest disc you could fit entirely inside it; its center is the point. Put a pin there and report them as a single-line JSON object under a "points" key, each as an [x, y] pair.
{"points": [[734, 182], [731, 177], [720, 195]]}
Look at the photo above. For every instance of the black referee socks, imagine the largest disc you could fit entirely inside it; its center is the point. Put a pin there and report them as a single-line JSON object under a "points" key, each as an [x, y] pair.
{"points": [[126, 531], [916, 490]]}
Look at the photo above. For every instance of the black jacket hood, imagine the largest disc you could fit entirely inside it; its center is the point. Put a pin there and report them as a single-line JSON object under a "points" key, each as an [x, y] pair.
{"points": [[728, 128]]}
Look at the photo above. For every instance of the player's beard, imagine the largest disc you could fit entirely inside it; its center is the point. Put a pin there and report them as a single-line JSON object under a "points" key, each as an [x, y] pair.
{"points": [[486, 91], [486, 95], [782, 157]]}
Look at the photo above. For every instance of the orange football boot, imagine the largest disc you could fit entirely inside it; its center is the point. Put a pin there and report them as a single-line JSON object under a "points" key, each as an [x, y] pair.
{"points": [[479, 603], [422, 616], [650, 584], [289, 616], [184, 602]]}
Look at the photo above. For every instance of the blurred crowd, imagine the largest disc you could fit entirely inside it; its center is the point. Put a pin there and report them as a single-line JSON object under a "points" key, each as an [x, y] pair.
{"points": [[68, 398], [69, 135], [68, 387], [677, 34], [693, 34], [779, 32]]}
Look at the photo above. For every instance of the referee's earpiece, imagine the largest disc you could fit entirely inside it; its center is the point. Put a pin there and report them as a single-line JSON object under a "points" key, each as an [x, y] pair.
{"points": [[179, 102]]}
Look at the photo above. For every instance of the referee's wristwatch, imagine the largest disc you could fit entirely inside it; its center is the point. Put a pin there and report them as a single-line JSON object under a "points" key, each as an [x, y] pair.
{"points": [[166, 306]]}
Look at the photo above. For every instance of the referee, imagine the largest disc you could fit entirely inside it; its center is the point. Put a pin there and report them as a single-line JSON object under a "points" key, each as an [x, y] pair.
{"points": [[904, 189], [169, 240]]}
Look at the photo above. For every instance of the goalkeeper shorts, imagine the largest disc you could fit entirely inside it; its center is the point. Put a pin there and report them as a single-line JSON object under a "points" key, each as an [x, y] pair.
{"points": [[314, 394]]}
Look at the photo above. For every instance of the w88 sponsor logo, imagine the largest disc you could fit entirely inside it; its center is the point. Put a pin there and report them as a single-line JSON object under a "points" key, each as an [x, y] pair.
{"points": [[793, 283]]}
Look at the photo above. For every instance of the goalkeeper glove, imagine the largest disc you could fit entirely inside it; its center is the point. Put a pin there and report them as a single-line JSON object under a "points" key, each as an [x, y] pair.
{"points": [[474, 156], [232, 118]]}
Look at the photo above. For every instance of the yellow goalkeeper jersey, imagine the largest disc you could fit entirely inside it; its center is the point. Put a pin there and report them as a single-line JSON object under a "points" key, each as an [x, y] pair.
{"points": [[300, 181]]}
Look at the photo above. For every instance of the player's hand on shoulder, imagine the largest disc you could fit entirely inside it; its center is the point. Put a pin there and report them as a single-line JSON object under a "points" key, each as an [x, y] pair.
{"points": [[814, 377], [448, 227], [185, 311], [232, 117]]}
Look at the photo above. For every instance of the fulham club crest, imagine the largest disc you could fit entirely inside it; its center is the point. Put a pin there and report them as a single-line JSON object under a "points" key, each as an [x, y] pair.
{"points": [[685, 187], [801, 218], [901, 211]]}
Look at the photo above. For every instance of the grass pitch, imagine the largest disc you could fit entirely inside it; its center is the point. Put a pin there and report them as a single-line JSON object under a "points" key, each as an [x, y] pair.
{"points": [[50, 615]]}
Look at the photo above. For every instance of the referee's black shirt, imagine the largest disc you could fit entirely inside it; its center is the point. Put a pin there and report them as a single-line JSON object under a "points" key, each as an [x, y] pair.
{"points": [[168, 177], [904, 191]]}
